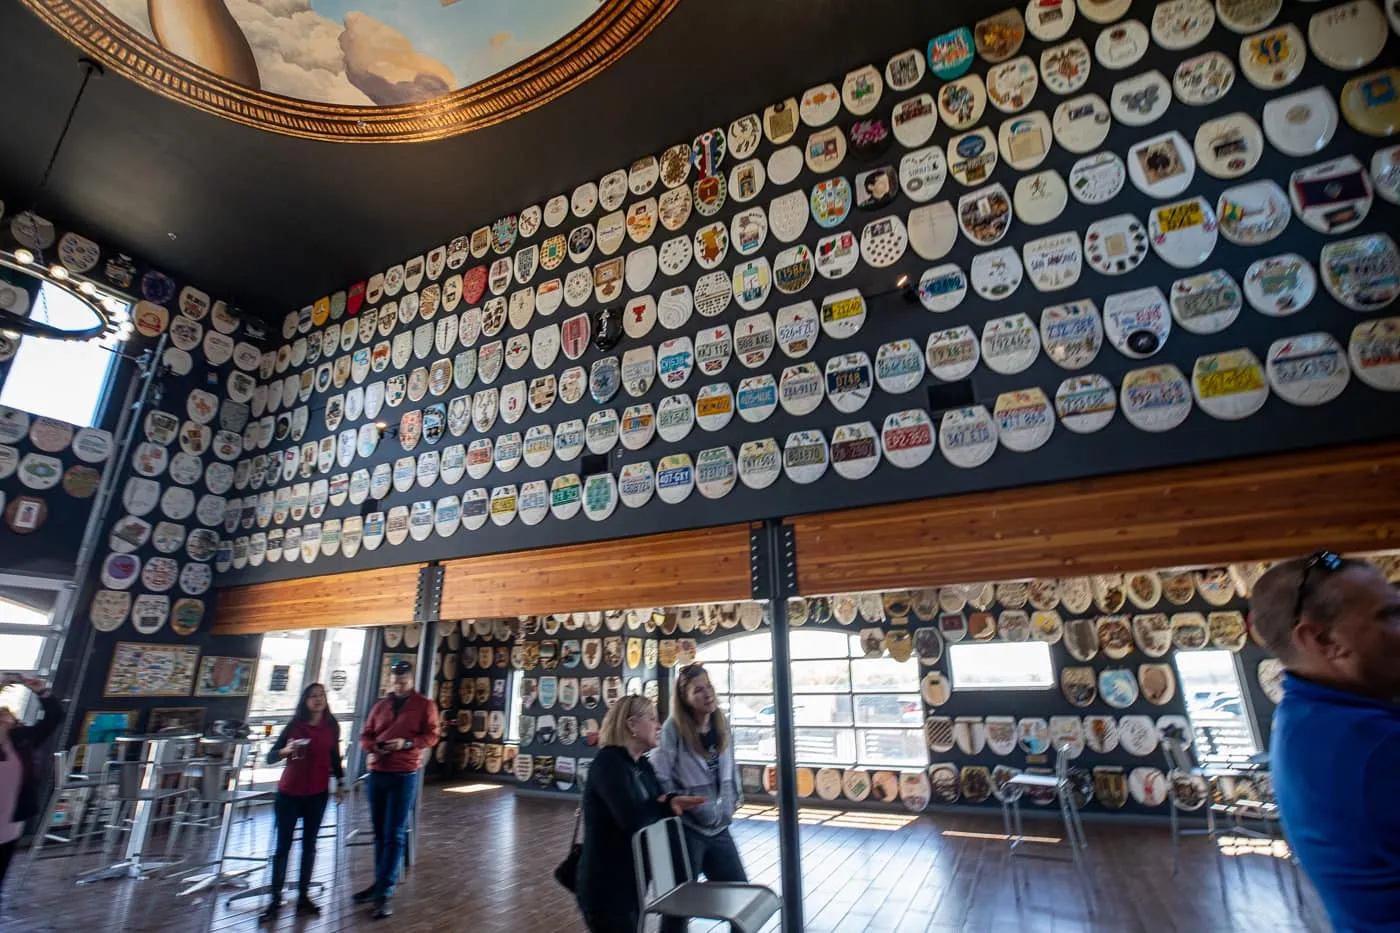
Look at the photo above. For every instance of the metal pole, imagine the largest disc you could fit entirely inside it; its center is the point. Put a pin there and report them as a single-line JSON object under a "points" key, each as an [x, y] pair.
{"points": [[426, 613], [138, 395], [789, 840]]}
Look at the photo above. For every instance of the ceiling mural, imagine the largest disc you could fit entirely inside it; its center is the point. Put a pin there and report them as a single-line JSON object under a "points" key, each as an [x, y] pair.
{"points": [[358, 70]]}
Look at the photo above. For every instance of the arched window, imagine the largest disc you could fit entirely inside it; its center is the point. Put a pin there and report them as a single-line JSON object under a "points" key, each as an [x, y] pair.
{"points": [[849, 709]]}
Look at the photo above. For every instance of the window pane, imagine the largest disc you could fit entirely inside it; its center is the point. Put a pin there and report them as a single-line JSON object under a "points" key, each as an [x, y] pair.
{"points": [[341, 654], [751, 709], [757, 647], [889, 709], [715, 651], [719, 677], [892, 747], [884, 674], [279, 650], [804, 644], [513, 710], [17, 613], [818, 710], [825, 746], [1003, 666], [30, 386], [752, 677], [1216, 705], [21, 652], [821, 676], [754, 744]]}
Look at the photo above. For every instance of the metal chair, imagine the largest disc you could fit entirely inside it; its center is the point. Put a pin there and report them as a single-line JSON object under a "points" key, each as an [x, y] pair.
{"points": [[657, 850], [71, 785], [145, 791], [1178, 760], [1063, 789], [218, 787]]}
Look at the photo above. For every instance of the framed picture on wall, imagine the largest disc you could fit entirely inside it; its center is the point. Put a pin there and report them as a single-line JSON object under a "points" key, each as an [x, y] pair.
{"points": [[388, 660], [142, 670], [225, 677], [102, 726], [176, 719]]}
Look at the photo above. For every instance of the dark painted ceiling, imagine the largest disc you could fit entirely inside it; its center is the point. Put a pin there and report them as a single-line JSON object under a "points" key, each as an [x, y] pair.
{"points": [[272, 222]]}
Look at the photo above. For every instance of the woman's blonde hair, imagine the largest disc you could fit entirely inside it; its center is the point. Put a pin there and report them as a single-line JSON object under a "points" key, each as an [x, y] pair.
{"points": [[614, 729], [684, 716]]}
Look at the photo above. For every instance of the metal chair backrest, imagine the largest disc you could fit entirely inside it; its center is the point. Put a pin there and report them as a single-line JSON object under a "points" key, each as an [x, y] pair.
{"points": [[656, 850], [1174, 751], [1062, 759], [63, 765], [129, 777]]}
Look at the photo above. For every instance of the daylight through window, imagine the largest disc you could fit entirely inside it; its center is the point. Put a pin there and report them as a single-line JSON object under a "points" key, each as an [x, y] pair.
{"points": [[849, 710], [61, 379]]}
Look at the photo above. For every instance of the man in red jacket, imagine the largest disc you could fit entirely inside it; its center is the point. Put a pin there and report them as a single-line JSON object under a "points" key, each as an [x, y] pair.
{"points": [[398, 729]]}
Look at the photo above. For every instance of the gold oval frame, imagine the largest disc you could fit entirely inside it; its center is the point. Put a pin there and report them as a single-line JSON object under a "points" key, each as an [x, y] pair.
{"points": [[608, 34]]}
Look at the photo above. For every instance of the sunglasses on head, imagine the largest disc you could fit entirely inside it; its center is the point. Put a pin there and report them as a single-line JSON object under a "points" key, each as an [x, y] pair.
{"points": [[1328, 561]]}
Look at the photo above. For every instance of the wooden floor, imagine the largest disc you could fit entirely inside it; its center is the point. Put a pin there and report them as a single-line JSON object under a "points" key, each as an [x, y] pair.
{"points": [[486, 857]]}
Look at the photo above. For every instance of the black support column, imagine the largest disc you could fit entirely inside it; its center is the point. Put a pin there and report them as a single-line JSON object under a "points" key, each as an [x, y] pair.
{"points": [[772, 558], [427, 606]]}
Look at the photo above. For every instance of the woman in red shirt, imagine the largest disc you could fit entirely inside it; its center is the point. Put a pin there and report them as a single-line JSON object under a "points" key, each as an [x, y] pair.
{"points": [[310, 745]]}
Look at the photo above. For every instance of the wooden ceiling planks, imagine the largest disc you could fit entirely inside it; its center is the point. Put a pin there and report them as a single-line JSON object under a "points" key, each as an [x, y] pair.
{"points": [[680, 568], [1346, 498], [384, 596]]}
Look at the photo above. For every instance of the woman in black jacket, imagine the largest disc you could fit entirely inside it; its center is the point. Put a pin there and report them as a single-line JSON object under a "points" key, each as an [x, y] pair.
{"points": [[19, 771], [620, 797]]}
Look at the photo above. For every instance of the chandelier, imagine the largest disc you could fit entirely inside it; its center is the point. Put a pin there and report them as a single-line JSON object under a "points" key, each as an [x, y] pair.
{"points": [[26, 271]]}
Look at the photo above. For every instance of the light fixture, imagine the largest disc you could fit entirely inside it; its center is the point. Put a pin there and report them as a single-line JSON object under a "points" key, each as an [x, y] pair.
{"points": [[26, 272]]}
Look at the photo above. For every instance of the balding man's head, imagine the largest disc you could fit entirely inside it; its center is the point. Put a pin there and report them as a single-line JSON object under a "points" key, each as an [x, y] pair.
{"points": [[1333, 620]]}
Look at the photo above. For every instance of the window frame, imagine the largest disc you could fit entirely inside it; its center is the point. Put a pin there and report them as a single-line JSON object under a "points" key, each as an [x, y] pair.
{"points": [[52, 632], [110, 345], [1247, 713], [850, 655]]}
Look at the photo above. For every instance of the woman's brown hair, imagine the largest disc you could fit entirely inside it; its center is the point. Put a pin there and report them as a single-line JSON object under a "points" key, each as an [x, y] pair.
{"points": [[685, 717]]}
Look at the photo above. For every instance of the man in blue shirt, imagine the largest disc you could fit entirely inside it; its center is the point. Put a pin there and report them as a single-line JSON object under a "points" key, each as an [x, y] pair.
{"points": [[1335, 625]]}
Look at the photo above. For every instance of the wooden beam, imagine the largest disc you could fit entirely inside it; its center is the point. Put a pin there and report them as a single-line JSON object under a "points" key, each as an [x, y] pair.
{"points": [[385, 596], [709, 565], [1346, 498]]}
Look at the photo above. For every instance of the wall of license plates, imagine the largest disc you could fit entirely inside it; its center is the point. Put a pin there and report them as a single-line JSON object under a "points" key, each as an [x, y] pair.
{"points": [[574, 667], [1081, 239], [148, 596], [1114, 642]]}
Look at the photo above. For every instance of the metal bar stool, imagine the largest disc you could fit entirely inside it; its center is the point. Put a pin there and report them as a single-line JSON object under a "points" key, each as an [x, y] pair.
{"points": [[142, 798], [78, 788], [331, 831], [1060, 784], [226, 795]]}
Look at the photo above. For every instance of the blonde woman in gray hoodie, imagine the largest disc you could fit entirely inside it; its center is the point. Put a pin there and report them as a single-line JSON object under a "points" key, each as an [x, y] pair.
{"points": [[696, 757]]}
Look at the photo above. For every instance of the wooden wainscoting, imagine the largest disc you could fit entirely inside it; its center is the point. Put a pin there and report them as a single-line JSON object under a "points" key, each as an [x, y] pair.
{"points": [[365, 597], [709, 565], [1346, 498]]}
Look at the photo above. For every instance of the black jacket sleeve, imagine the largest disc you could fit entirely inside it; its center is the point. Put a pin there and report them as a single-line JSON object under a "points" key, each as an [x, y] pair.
{"points": [[628, 791], [46, 725], [274, 754], [337, 763]]}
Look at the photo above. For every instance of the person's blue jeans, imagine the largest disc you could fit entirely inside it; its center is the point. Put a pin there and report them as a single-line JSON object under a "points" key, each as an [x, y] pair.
{"points": [[391, 796]]}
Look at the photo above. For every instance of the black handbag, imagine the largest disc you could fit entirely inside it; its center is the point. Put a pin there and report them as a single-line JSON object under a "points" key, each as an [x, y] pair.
{"points": [[567, 871]]}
